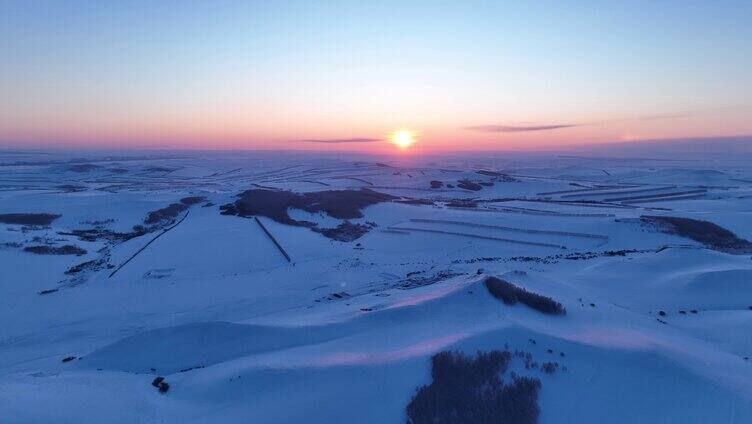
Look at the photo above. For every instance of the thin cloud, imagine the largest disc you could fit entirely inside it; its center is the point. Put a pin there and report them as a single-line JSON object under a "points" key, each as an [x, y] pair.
{"points": [[342, 140], [719, 111], [519, 128], [530, 126], [674, 115]]}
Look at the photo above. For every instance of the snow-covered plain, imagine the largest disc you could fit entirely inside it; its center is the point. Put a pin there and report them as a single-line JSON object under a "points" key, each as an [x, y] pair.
{"points": [[658, 327]]}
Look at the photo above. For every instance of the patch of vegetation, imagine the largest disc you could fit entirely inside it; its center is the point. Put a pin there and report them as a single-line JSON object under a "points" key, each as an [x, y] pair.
{"points": [[414, 279], [511, 294], [466, 389], [422, 202], [28, 218], [549, 367], [498, 176], [71, 188], [436, 184], [469, 185], [68, 249], [165, 214], [462, 203], [94, 265], [346, 231], [83, 167], [99, 233], [341, 204], [170, 212], [577, 256], [192, 200], [153, 221], [709, 234], [160, 384], [158, 169]]}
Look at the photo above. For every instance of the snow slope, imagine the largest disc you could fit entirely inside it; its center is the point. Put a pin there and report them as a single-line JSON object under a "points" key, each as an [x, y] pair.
{"points": [[656, 330]]}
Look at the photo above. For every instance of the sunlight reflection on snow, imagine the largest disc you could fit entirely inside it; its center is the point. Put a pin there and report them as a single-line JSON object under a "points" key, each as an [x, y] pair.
{"points": [[418, 349]]}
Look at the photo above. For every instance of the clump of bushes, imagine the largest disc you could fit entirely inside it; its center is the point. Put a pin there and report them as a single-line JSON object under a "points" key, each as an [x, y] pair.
{"points": [[28, 218], [469, 389], [511, 294], [161, 384], [192, 200], [345, 231], [92, 265], [549, 367], [83, 167], [165, 214], [469, 185], [68, 249], [462, 203], [172, 211]]}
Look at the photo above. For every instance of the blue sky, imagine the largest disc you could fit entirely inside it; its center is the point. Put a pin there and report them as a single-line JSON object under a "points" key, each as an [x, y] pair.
{"points": [[268, 73]]}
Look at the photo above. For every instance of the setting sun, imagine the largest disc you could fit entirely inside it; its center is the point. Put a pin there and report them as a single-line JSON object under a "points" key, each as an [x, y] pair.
{"points": [[403, 138]]}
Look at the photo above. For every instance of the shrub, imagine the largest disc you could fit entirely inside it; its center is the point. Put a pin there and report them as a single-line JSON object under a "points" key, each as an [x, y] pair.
{"points": [[511, 294], [549, 367], [467, 389], [161, 384]]}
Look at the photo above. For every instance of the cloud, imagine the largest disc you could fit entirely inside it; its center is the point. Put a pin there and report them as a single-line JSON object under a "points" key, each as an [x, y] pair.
{"points": [[675, 115], [532, 126], [718, 111], [342, 140], [519, 128]]}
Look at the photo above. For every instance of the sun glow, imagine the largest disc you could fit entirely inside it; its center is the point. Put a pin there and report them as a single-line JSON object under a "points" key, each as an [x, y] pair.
{"points": [[402, 138]]}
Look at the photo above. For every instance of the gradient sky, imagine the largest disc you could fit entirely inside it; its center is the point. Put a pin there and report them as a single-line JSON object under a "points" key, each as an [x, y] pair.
{"points": [[464, 75]]}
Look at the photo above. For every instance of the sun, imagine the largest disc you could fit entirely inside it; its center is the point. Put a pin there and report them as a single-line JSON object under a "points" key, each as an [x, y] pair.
{"points": [[402, 138]]}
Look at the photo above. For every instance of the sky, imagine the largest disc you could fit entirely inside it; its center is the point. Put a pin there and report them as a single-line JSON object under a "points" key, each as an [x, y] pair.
{"points": [[461, 75]]}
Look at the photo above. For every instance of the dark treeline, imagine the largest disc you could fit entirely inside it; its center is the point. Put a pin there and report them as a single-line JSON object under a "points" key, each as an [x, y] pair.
{"points": [[511, 294]]}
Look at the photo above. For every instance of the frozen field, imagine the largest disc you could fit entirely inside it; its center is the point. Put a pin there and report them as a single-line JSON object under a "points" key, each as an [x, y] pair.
{"points": [[323, 308]]}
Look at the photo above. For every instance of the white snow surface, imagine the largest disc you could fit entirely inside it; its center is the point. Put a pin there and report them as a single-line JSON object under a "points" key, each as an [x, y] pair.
{"points": [[345, 331]]}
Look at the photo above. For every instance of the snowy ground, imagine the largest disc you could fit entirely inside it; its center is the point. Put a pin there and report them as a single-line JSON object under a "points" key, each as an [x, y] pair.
{"points": [[657, 326]]}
